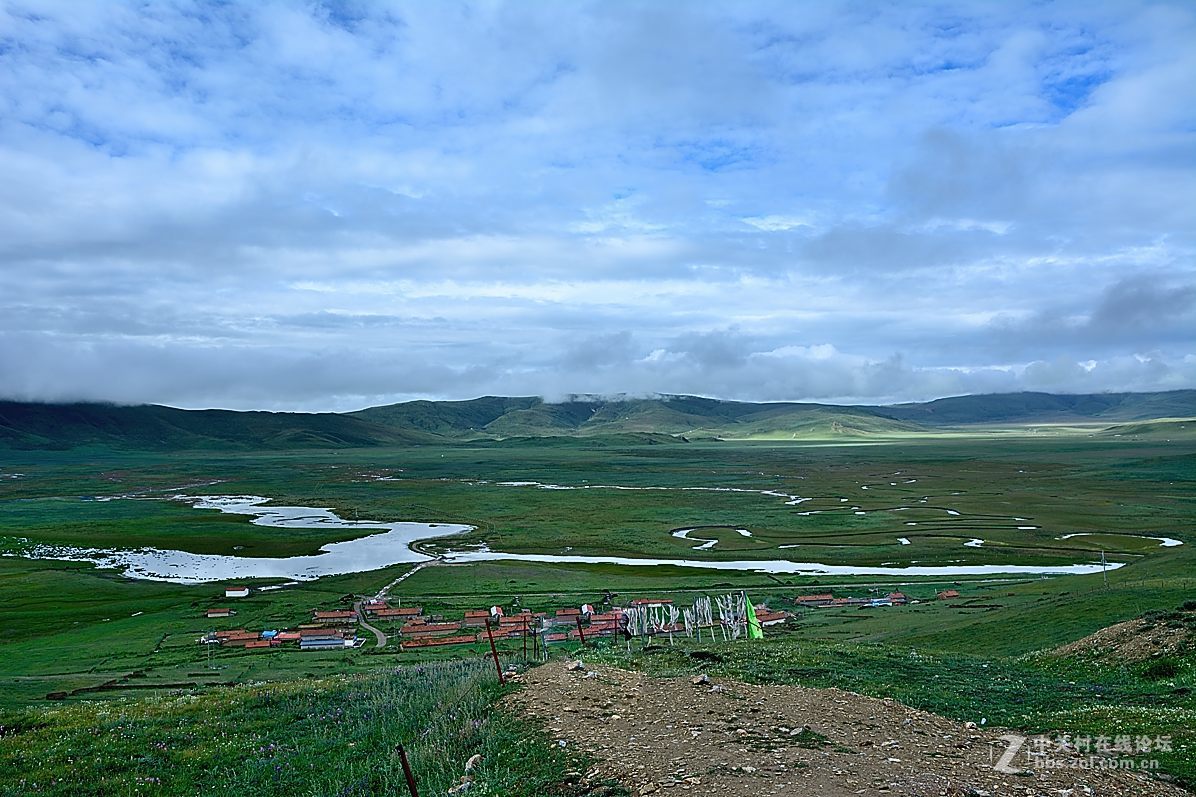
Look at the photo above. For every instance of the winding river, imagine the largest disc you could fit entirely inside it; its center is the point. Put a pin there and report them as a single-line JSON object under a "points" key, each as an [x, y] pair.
{"points": [[386, 544]]}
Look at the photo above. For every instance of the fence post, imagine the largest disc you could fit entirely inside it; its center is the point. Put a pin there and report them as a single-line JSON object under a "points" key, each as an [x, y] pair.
{"points": [[407, 770], [494, 653], [580, 634]]}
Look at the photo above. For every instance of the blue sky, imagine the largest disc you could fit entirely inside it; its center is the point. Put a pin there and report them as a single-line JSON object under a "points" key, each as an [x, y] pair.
{"points": [[326, 206]]}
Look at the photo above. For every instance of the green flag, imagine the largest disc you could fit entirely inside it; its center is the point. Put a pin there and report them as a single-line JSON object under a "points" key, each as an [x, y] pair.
{"points": [[753, 625]]}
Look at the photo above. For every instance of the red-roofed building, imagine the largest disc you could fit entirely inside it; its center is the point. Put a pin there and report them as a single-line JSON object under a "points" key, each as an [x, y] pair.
{"points": [[821, 599], [948, 594], [336, 616], [219, 613], [410, 612], [459, 639], [231, 632], [243, 640], [518, 620], [476, 618], [767, 618], [428, 629], [321, 633]]}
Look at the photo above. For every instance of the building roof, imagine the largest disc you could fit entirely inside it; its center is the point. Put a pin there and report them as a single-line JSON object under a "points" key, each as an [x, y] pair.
{"points": [[460, 639], [313, 633], [427, 629], [412, 612]]}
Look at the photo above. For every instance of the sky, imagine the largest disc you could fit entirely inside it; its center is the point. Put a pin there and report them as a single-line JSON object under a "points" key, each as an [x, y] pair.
{"points": [[326, 206]]}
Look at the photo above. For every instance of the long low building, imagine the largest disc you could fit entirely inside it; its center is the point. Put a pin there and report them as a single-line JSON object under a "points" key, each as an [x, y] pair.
{"points": [[336, 616], [459, 639], [324, 643], [403, 612], [429, 629]]}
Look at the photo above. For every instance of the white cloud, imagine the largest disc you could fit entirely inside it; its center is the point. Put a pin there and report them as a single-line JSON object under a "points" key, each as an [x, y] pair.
{"points": [[754, 200], [777, 223]]}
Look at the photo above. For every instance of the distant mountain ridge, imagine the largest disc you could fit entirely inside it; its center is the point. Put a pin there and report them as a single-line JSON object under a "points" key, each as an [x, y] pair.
{"points": [[662, 419]]}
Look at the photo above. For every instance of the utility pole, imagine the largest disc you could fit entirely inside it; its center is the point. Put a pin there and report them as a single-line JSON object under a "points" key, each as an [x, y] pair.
{"points": [[1104, 567]]}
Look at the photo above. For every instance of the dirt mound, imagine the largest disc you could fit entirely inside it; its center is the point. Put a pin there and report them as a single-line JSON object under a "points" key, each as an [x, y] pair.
{"points": [[734, 739], [1151, 636]]}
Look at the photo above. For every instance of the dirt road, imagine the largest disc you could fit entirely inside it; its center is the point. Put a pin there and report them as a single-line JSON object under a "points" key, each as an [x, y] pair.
{"points": [[378, 634], [733, 739]]}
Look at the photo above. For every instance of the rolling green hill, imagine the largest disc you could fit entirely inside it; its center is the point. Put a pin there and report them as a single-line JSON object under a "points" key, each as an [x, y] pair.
{"points": [[65, 426], [1044, 408], [151, 427], [1162, 429]]}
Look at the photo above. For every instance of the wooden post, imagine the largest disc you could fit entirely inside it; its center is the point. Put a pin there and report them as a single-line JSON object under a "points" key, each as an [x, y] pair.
{"points": [[494, 653], [525, 639], [580, 634], [407, 770]]}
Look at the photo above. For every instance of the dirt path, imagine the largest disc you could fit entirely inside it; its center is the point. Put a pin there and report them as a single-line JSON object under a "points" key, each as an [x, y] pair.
{"points": [[378, 635], [733, 739], [382, 593]]}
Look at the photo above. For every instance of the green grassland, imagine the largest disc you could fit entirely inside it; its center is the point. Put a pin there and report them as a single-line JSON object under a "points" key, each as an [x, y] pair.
{"points": [[308, 737], [130, 643]]}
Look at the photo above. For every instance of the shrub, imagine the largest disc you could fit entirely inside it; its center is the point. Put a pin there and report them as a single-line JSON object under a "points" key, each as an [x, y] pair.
{"points": [[1161, 668]]}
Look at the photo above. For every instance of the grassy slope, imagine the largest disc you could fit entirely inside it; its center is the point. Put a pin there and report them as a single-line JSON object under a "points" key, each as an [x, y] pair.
{"points": [[336, 735], [1042, 407], [62, 426]]}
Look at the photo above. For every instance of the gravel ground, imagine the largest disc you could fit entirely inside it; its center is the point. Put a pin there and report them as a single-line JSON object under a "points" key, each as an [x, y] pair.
{"points": [[702, 737], [1135, 640]]}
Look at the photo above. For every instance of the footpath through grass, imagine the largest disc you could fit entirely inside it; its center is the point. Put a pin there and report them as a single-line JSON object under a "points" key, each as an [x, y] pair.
{"points": [[1037, 694], [333, 736]]}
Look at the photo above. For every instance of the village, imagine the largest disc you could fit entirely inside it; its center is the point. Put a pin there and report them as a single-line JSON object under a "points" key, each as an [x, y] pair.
{"points": [[827, 600], [338, 628]]}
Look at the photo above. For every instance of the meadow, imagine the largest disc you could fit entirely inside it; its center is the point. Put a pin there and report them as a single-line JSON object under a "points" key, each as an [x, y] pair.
{"points": [[98, 637], [310, 737]]}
